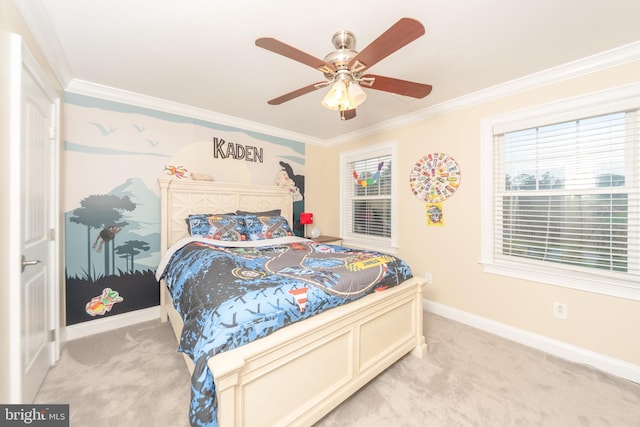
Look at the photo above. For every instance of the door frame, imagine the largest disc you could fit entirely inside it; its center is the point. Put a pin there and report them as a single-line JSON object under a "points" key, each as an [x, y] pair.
{"points": [[22, 59]]}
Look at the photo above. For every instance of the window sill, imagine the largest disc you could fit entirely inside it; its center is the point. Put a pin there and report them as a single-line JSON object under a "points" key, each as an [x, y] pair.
{"points": [[329, 240], [588, 282], [373, 246]]}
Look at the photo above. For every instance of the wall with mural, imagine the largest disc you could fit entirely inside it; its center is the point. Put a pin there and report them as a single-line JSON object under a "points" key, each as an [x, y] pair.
{"points": [[114, 154]]}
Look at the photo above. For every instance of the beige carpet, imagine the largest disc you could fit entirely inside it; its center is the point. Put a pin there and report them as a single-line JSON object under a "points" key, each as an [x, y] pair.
{"points": [[134, 377]]}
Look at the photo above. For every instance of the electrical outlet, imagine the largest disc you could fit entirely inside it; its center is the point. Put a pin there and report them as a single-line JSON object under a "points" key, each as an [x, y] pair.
{"points": [[428, 277], [561, 311]]}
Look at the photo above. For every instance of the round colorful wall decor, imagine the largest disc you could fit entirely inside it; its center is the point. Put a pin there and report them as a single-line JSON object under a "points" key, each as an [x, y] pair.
{"points": [[435, 177]]}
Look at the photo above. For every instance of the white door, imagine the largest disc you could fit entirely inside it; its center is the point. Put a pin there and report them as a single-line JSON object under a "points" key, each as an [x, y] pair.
{"points": [[38, 214]]}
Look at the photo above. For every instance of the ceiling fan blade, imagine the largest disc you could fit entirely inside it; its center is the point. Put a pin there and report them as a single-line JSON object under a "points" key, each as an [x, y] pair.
{"points": [[397, 36], [291, 52], [400, 87], [296, 93], [347, 114]]}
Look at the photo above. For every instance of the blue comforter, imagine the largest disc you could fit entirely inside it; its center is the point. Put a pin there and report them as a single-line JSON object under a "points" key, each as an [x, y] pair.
{"points": [[231, 294]]}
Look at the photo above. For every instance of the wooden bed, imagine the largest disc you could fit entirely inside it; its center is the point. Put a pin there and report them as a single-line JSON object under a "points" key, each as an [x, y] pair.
{"points": [[334, 353]]}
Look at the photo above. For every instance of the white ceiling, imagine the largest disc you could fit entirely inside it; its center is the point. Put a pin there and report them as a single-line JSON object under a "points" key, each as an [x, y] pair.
{"points": [[201, 53]]}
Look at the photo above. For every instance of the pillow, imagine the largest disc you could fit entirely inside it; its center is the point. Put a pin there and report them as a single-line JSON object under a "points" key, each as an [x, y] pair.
{"points": [[261, 227], [274, 212], [199, 215], [217, 227]]}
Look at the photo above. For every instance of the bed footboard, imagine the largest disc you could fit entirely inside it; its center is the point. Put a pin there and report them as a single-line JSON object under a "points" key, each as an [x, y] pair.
{"points": [[300, 373]]}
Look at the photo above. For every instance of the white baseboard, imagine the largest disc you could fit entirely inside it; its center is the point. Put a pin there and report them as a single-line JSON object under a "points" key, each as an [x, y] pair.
{"points": [[607, 364], [97, 326]]}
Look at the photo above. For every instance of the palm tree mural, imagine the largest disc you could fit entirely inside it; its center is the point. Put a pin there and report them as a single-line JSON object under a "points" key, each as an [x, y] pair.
{"points": [[103, 212], [130, 249]]}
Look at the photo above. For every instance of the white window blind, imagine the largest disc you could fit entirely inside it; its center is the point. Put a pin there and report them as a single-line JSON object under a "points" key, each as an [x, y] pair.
{"points": [[368, 199], [566, 196]]}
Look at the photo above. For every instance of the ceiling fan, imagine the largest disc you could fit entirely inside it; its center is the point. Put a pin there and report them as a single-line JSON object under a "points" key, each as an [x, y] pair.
{"points": [[344, 68]]}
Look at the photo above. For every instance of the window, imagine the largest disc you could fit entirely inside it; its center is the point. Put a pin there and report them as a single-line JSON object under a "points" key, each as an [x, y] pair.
{"points": [[564, 192], [368, 197]]}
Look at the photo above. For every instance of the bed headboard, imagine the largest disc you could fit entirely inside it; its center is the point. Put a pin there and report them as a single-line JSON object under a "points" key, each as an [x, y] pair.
{"points": [[180, 198]]}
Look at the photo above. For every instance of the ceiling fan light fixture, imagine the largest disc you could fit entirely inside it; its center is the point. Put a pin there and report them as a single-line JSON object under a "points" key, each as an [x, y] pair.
{"points": [[344, 95], [336, 97], [356, 94]]}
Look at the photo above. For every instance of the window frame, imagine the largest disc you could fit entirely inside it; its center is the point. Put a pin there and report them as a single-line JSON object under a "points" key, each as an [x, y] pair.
{"points": [[386, 244], [604, 102]]}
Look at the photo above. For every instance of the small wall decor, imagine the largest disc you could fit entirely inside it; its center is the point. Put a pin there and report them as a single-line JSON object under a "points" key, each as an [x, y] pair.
{"points": [[434, 178], [177, 171], [368, 181], [286, 178], [434, 214], [103, 303]]}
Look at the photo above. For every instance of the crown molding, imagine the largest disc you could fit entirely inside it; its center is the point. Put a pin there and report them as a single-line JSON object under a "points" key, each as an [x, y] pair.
{"points": [[95, 90], [39, 24], [608, 59]]}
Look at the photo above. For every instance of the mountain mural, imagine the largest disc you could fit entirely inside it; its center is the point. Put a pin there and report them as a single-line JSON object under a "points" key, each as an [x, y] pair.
{"points": [[133, 212], [112, 249]]}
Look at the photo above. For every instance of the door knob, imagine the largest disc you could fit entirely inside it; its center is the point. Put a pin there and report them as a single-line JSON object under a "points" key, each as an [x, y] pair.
{"points": [[30, 262]]}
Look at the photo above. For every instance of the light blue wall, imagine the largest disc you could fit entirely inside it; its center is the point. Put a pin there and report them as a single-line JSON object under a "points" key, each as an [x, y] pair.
{"points": [[114, 154]]}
